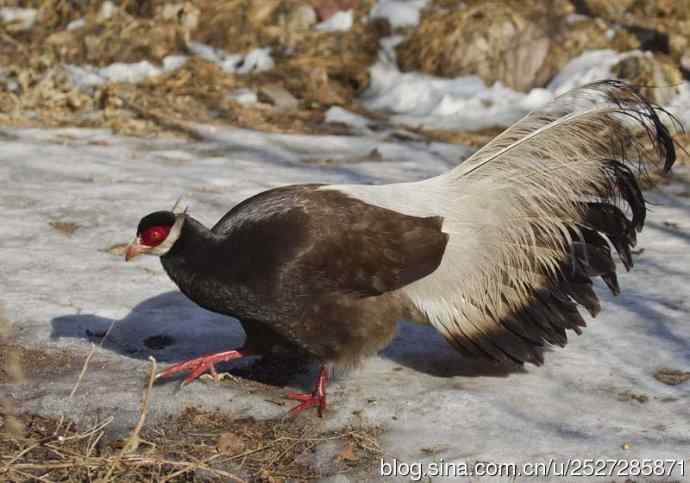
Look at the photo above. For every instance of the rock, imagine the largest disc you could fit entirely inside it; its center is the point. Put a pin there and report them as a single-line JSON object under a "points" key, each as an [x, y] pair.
{"points": [[496, 42], [574, 38], [278, 96], [657, 77], [672, 377], [522, 45]]}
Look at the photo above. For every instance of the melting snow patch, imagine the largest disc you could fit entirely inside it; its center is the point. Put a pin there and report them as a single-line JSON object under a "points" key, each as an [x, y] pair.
{"points": [[256, 60], [244, 96], [107, 10], [466, 102], [23, 18], [591, 66], [341, 21], [76, 24], [400, 13], [86, 76]]}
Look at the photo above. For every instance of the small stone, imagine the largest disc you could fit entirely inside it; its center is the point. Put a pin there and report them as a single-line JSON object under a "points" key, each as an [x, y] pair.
{"points": [[278, 96], [230, 444], [672, 377]]}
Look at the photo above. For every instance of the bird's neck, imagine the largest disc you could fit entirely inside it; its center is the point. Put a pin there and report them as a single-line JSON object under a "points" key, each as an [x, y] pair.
{"points": [[199, 264], [192, 255]]}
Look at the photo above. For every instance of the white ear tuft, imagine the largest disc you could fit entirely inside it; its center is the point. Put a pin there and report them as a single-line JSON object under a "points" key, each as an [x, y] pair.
{"points": [[175, 209]]}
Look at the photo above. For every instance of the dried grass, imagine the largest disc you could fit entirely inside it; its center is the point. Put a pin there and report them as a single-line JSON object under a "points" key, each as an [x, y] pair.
{"points": [[182, 448], [319, 69], [195, 445]]}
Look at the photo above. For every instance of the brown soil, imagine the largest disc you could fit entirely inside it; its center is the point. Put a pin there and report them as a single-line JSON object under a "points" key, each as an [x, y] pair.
{"points": [[17, 363]]}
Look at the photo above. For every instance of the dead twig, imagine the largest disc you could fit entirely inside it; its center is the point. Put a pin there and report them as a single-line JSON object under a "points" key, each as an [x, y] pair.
{"points": [[133, 440]]}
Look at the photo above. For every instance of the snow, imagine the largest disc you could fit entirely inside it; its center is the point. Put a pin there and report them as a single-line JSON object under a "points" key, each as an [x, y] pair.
{"points": [[466, 102], [431, 403], [340, 22], [76, 24], [340, 115], [244, 96], [257, 60], [590, 66], [88, 75], [680, 104], [400, 13], [24, 18], [107, 10]]}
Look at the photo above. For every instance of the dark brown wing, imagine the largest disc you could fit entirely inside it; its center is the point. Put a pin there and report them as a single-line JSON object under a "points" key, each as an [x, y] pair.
{"points": [[307, 241]]}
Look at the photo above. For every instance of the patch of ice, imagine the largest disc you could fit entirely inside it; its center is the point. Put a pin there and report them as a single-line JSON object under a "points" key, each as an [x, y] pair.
{"points": [[244, 96], [340, 22], [76, 24], [23, 18], [400, 13]]}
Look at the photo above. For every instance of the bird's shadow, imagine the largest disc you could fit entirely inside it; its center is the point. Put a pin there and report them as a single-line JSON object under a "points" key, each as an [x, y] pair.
{"points": [[173, 329]]}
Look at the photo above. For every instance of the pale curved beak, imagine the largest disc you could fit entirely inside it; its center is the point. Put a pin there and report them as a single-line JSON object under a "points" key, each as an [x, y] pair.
{"points": [[135, 249]]}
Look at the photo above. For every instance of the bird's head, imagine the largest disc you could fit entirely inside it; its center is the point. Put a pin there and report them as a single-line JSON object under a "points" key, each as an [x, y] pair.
{"points": [[156, 234]]}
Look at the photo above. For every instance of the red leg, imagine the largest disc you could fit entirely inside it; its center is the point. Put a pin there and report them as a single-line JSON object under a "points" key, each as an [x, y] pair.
{"points": [[316, 398], [198, 366]]}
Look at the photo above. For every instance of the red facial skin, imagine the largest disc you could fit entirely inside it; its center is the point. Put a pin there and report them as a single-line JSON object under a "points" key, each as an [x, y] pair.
{"points": [[155, 235], [147, 240]]}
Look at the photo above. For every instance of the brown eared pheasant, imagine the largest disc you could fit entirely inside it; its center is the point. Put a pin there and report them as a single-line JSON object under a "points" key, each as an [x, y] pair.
{"points": [[497, 254]]}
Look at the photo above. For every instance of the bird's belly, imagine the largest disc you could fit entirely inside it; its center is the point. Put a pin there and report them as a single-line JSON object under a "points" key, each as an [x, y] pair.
{"points": [[343, 329]]}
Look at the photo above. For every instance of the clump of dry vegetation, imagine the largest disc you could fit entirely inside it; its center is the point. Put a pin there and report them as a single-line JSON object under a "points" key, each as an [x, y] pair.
{"points": [[313, 69], [195, 445], [521, 44], [525, 44]]}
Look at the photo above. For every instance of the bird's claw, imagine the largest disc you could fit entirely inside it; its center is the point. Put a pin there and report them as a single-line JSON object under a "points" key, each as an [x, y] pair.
{"points": [[200, 365], [308, 401], [316, 398]]}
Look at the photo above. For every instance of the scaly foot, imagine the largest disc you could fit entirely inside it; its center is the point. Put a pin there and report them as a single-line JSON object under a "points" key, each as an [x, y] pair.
{"points": [[198, 366], [316, 398]]}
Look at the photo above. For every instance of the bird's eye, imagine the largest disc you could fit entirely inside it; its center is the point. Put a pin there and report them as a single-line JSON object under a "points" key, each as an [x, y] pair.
{"points": [[155, 235]]}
